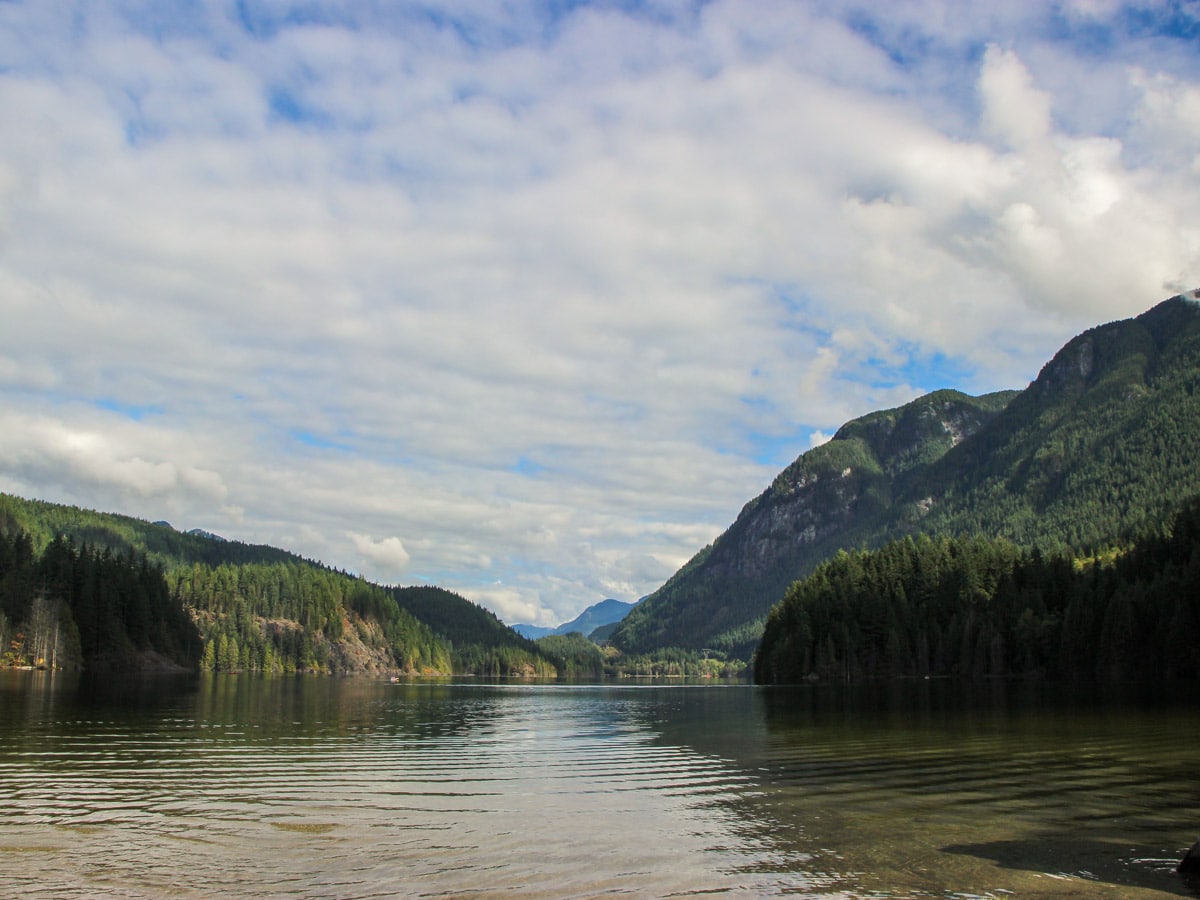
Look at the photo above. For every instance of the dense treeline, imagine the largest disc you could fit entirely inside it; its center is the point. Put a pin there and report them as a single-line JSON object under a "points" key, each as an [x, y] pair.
{"points": [[574, 655], [977, 608], [675, 662], [71, 607], [158, 542], [482, 644]]}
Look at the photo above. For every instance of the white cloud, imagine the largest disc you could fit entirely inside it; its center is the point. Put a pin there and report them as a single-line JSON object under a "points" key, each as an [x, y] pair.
{"points": [[534, 307], [1013, 108], [85, 456], [386, 555]]}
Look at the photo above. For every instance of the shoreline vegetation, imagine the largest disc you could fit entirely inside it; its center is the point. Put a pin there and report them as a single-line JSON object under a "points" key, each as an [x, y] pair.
{"points": [[97, 596]]}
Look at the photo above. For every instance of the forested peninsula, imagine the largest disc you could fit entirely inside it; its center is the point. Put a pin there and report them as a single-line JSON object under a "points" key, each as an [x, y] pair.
{"points": [[81, 589]]}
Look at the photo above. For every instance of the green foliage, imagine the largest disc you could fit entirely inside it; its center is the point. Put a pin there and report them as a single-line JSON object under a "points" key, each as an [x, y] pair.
{"points": [[482, 644], [674, 662], [977, 608], [294, 616], [159, 543], [70, 607], [574, 656]]}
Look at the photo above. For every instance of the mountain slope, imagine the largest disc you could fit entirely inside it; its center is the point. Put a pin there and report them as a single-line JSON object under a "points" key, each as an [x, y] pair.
{"points": [[831, 497], [1101, 444], [259, 608]]}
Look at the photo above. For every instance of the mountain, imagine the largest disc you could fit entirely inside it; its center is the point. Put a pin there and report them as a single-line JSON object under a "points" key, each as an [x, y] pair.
{"points": [[598, 615], [831, 497], [533, 632], [200, 532], [1101, 446], [255, 607]]}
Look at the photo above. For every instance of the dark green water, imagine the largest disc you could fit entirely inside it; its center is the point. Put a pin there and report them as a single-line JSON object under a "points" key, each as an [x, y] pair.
{"points": [[315, 787]]}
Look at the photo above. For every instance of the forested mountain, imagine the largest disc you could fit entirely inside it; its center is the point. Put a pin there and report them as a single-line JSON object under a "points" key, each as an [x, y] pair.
{"points": [[245, 607], [833, 496], [980, 607], [1101, 446]]}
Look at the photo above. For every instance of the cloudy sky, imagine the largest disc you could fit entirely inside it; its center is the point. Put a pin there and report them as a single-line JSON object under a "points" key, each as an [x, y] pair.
{"points": [[527, 299]]}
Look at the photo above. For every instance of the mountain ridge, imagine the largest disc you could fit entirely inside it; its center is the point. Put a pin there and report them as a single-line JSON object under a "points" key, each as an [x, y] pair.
{"points": [[1091, 450]]}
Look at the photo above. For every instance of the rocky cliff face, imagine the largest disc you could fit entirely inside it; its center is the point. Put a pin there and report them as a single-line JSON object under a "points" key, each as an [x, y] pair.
{"points": [[822, 500], [831, 487]]}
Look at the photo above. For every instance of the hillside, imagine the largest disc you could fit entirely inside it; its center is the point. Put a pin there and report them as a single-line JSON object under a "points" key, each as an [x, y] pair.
{"points": [[1101, 445], [980, 608], [257, 608]]}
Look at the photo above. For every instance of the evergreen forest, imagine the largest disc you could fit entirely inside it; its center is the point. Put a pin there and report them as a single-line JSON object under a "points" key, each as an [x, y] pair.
{"points": [[75, 607], [984, 608]]}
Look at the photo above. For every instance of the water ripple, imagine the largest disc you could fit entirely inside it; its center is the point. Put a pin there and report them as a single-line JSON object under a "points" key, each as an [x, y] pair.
{"points": [[502, 794]]}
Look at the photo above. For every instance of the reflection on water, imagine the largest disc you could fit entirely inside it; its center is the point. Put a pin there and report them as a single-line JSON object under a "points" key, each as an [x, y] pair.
{"points": [[321, 787], [1034, 789]]}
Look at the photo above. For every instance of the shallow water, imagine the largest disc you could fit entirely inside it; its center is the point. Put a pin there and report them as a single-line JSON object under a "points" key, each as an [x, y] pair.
{"points": [[320, 787]]}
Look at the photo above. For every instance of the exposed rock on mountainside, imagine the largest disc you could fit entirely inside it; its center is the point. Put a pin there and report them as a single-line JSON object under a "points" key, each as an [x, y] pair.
{"points": [[826, 499]]}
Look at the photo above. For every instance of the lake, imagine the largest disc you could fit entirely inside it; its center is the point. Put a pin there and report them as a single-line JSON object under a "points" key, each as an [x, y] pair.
{"points": [[326, 787]]}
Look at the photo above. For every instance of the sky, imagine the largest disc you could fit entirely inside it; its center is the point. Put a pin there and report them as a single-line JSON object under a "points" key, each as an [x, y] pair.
{"points": [[528, 299]]}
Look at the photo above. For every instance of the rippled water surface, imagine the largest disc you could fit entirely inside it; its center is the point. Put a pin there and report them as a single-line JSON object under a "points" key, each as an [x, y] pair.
{"points": [[314, 787]]}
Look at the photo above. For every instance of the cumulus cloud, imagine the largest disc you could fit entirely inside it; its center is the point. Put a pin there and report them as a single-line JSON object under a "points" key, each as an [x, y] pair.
{"points": [[1013, 107], [387, 555], [528, 303]]}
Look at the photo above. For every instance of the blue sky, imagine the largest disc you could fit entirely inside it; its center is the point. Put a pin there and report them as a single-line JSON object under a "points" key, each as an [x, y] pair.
{"points": [[528, 299]]}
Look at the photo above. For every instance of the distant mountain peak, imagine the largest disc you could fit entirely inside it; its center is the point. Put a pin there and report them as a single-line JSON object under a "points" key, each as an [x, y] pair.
{"points": [[598, 615], [200, 532]]}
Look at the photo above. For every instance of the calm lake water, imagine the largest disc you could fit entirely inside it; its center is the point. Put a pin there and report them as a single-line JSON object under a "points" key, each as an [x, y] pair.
{"points": [[321, 787]]}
